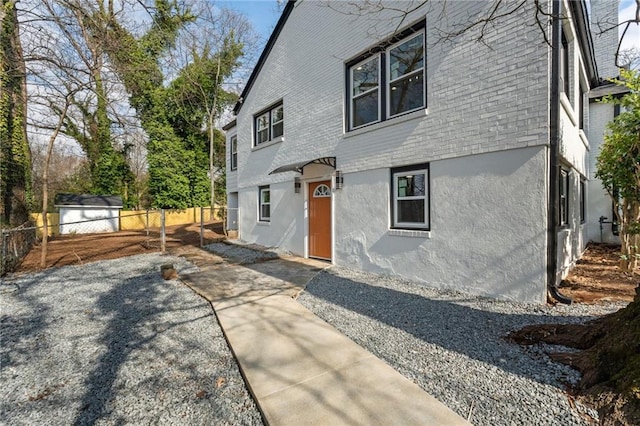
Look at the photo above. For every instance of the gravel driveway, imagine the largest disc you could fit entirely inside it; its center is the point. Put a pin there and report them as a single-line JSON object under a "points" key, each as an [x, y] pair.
{"points": [[452, 345], [110, 342]]}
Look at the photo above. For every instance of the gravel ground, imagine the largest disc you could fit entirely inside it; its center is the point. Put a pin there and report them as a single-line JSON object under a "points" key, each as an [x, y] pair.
{"points": [[453, 346], [110, 342], [243, 254]]}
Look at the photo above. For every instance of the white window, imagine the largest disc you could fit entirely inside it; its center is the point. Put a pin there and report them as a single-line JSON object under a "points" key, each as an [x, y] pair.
{"points": [[410, 197], [264, 204], [277, 122], [389, 82], [406, 76], [262, 129], [365, 105], [234, 152], [269, 124]]}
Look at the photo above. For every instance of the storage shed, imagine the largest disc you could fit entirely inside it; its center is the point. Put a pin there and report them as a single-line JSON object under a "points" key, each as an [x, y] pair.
{"points": [[87, 214]]}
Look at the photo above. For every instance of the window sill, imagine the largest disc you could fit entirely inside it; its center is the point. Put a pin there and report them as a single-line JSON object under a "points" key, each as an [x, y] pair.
{"points": [[409, 233], [263, 223], [267, 144], [389, 122]]}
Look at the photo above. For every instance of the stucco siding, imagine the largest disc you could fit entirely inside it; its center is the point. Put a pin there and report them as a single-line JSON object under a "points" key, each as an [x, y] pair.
{"points": [[487, 226], [286, 227]]}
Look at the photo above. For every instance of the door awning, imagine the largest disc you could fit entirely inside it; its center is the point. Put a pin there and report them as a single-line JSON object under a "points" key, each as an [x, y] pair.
{"points": [[297, 167]]}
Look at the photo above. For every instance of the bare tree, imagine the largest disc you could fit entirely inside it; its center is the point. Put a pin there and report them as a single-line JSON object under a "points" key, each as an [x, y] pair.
{"points": [[56, 30], [207, 53], [538, 14], [62, 115]]}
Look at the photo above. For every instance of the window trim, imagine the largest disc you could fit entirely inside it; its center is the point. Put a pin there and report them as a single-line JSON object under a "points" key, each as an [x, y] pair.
{"points": [[382, 52], [261, 190], [416, 168], [268, 112], [233, 156]]}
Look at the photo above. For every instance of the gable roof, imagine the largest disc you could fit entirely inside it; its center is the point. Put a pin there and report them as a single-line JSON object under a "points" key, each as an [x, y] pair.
{"points": [[88, 200], [265, 53]]}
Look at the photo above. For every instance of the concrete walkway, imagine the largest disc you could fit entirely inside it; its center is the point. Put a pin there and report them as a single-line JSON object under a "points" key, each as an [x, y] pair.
{"points": [[301, 370]]}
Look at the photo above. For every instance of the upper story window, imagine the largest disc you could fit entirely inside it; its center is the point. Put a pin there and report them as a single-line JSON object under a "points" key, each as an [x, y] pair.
{"points": [[388, 82], [564, 66], [410, 197], [269, 124], [234, 153]]}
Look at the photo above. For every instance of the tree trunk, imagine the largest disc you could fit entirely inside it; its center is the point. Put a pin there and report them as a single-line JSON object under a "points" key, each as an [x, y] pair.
{"points": [[629, 240], [45, 183]]}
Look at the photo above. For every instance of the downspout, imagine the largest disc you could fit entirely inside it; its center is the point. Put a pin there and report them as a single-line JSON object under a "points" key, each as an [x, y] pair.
{"points": [[554, 126]]}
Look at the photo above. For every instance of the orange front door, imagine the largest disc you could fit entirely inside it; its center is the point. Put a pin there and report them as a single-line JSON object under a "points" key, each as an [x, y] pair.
{"points": [[320, 219]]}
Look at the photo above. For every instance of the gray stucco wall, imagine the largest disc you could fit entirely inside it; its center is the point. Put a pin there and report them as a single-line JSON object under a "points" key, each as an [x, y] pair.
{"points": [[487, 228]]}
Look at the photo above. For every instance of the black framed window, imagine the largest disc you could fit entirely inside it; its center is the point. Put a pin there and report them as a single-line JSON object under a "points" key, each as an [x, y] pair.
{"points": [[389, 80], [264, 204], [564, 66], [583, 200], [563, 197], [269, 124], [410, 193], [234, 152], [581, 108]]}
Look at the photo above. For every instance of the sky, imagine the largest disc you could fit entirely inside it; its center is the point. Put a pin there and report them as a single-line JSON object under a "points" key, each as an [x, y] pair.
{"points": [[265, 13], [632, 38]]}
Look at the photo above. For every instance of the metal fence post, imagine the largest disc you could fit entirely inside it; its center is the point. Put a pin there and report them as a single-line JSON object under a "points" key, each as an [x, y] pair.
{"points": [[162, 231]]}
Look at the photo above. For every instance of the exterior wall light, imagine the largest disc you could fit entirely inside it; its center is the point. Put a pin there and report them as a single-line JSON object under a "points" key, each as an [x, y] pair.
{"points": [[339, 179], [297, 185]]}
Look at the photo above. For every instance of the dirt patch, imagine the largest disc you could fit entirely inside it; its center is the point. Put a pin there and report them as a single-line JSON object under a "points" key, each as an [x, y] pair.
{"points": [[597, 277], [82, 248], [608, 348]]}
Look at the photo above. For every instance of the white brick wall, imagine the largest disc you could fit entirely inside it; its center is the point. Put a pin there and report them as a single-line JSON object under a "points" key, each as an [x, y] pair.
{"points": [[604, 15], [480, 99]]}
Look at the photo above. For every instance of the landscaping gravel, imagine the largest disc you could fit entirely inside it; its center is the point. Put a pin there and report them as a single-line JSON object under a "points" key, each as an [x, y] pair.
{"points": [[453, 345], [110, 342]]}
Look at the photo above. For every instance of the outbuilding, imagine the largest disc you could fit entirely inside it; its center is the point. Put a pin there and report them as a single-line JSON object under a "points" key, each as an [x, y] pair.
{"points": [[87, 213]]}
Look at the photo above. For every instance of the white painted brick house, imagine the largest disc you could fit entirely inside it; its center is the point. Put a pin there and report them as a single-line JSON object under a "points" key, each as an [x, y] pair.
{"points": [[377, 145]]}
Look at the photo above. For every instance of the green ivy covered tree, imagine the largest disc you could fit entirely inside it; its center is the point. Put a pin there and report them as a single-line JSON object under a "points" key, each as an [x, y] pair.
{"points": [[15, 156], [178, 118]]}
